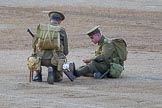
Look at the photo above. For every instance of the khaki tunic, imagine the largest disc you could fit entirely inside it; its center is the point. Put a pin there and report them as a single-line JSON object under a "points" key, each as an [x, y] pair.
{"points": [[46, 55], [104, 55]]}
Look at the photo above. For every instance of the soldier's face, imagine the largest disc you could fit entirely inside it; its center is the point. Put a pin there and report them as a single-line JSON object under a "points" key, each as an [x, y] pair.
{"points": [[58, 21], [95, 38]]}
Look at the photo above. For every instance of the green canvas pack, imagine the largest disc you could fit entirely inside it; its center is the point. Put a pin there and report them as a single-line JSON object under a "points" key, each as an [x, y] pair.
{"points": [[121, 48], [48, 37], [115, 70]]}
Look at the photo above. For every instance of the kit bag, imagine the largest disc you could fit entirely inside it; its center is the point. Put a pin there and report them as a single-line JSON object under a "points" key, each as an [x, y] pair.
{"points": [[48, 37], [121, 48]]}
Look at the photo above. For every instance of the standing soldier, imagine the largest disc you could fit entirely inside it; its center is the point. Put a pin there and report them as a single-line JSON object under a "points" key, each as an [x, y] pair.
{"points": [[51, 46], [106, 59]]}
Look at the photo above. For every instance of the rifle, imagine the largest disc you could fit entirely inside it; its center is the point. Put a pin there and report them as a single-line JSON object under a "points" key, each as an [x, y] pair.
{"points": [[29, 31], [69, 75], [67, 72], [98, 75], [104, 74]]}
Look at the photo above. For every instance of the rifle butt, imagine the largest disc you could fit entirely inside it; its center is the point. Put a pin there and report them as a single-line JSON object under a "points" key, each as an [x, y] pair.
{"points": [[69, 75]]}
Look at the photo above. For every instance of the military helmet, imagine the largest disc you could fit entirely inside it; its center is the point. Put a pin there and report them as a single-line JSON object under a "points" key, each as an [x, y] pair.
{"points": [[56, 15]]}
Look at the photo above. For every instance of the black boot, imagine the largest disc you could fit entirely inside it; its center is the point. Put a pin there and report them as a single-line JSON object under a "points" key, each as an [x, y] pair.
{"points": [[72, 67], [82, 71], [50, 78], [38, 76]]}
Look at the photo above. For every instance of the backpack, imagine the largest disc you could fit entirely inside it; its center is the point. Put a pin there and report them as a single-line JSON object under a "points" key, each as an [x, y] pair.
{"points": [[48, 37], [121, 48]]}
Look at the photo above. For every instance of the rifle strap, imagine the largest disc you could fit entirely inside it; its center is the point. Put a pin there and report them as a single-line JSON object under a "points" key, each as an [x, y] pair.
{"points": [[104, 74]]}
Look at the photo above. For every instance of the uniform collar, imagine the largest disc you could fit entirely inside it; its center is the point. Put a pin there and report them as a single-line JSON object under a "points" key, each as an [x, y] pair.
{"points": [[101, 40], [54, 23]]}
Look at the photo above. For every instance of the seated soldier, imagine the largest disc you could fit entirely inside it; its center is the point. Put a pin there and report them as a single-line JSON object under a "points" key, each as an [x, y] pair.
{"points": [[106, 59], [51, 55]]}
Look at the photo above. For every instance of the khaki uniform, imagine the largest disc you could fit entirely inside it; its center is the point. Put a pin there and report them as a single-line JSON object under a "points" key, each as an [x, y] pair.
{"points": [[106, 60], [47, 55], [105, 55]]}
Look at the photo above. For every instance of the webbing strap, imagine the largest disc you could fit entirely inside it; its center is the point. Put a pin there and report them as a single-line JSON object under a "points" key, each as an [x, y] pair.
{"points": [[104, 74]]}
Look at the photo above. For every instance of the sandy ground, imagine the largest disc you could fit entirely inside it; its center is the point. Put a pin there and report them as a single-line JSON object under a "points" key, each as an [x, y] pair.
{"points": [[140, 85]]}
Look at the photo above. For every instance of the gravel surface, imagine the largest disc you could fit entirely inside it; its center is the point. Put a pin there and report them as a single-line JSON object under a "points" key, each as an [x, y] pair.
{"points": [[138, 22]]}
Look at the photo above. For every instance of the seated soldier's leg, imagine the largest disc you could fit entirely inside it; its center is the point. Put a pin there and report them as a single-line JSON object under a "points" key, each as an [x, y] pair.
{"points": [[98, 68], [87, 74], [38, 76], [91, 68], [81, 71]]}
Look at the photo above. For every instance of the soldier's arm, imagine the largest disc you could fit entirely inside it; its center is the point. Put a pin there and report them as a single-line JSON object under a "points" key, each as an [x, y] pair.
{"points": [[65, 41], [107, 51]]}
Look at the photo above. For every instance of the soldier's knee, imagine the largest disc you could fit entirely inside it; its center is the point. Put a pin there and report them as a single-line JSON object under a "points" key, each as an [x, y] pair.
{"points": [[92, 66]]}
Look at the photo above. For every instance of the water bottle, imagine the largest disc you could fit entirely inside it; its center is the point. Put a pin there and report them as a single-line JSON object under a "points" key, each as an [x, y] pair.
{"points": [[97, 75]]}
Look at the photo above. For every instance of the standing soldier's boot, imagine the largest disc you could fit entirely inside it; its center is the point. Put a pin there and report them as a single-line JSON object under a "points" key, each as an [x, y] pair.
{"points": [[38, 76], [50, 78], [82, 71]]}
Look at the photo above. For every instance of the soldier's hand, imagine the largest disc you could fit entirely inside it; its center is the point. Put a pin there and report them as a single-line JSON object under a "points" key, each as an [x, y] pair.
{"points": [[86, 60]]}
